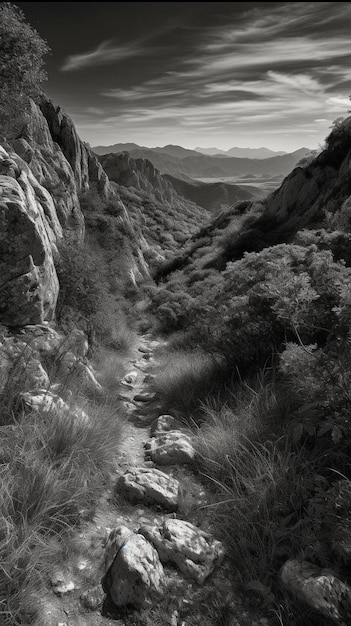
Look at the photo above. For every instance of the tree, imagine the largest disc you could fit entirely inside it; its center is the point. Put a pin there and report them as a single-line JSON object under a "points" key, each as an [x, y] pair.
{"points": [[21, 67]]}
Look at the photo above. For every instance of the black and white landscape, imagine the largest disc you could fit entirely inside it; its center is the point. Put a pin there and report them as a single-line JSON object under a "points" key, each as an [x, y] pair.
{"points": [[175, 314]]}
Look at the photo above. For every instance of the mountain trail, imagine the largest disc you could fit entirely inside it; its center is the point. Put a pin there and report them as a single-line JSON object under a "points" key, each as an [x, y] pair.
{"points": [[75, 597]]}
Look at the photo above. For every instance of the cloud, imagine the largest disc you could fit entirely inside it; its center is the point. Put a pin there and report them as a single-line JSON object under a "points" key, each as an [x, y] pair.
{"points": [[106, 52], [140, 93], [301, 82], [340, 100]]}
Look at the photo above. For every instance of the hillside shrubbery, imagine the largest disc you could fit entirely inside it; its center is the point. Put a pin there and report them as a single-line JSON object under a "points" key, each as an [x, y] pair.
{"points": [[22, 52], [277, 437]]}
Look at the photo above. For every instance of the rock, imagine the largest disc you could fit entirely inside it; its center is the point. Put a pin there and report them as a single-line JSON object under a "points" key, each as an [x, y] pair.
{"points": [[28, 245], [154, 344], [144, 349], [149, 378], [174, 447], [43, 400], [70, 367], [141, 365], [149, 485], [20, 368], [144, 397], [194, 551], [134, 573], [319, 589], [130, 378], [92, 599], [42, 338], [163, 424], [62, 583]]}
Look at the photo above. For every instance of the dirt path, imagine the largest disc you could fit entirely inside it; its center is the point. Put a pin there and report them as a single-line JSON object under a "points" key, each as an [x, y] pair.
{"points": [[81, 570], [185, 603]]}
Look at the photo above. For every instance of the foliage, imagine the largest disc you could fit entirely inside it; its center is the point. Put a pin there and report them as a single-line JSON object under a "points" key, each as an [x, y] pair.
{"points": [[183, 379], [22, 52]]}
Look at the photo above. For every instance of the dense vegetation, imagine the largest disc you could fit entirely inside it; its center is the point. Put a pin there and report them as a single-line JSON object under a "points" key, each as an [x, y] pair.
{"points": [[274, 431], [22, 52]]}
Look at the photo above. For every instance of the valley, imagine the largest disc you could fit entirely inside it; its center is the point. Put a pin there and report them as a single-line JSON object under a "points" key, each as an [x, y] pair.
{"points": [[175, 354]]}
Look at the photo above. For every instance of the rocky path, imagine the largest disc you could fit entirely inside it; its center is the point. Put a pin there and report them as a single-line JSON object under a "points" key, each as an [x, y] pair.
{"points": [[142, 513]]}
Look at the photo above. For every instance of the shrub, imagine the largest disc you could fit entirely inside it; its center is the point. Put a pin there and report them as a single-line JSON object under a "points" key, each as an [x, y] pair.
{"points": [[184, 380], [21, 67]]}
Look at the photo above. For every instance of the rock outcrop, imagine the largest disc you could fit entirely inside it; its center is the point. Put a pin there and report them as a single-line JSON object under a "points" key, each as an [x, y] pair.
{"points": [[29, 232], [134, 573], [318, 589]]}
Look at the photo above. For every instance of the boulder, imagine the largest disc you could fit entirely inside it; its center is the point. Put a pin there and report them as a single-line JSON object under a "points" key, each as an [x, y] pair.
{"points": [[20, 369], [163, 424], [194, 551], [42, 338], [130, 378], [92, 599], [149, 485], [43, 400], [174, 447], [144, 349], [70, 367], [318, 589], [144, 397], [134, 573]]}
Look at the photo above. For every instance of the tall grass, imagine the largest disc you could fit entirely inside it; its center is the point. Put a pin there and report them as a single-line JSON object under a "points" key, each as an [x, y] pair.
{"points": [[268, 492], [184, 379], [53, 468]]}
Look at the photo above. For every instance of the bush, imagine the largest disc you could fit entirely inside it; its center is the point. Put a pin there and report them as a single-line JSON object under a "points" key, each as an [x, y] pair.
{"points": [[21, 67], [184, 380]]}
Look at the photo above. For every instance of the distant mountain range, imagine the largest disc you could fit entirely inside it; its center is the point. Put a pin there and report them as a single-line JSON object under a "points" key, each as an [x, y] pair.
{"points": [[244, 153], [190, 164]]}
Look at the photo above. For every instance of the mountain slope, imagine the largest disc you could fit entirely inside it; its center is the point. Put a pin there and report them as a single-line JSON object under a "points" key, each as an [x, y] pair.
{"points": [[165, 218], [198, 165], [213, 196], [246, 153], [313, 195]]}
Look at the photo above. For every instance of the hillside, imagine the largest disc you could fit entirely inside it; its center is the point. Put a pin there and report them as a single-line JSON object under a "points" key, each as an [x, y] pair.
{"points": [[213, 196], [185, 164], [245, 153], [165, 218]]}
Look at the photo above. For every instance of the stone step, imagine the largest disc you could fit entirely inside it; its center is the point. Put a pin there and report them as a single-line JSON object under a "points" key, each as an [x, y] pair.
{"points": [[149, 486], [144, 397], [195, 552], [170, 448]]}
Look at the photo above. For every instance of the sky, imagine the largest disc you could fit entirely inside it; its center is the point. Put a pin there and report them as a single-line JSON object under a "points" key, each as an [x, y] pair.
{"points": [[206, 74]]}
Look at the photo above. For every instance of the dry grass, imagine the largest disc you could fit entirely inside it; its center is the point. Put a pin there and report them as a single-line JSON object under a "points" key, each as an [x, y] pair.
{"points": [[53, 468], [262, 486], [183, 380]]}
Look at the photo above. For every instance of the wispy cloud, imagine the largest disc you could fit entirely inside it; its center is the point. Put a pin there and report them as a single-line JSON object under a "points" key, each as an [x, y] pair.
{"points": [[106, 52], [278, 70]]}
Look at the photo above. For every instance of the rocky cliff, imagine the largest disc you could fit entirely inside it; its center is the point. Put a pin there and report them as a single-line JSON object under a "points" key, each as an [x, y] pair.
{"points": [[43, 176]]}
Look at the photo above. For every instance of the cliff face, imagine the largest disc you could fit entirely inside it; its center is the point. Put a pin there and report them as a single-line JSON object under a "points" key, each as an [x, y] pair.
{"points": [[140, 174], [29, 232], [43, 177]]}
